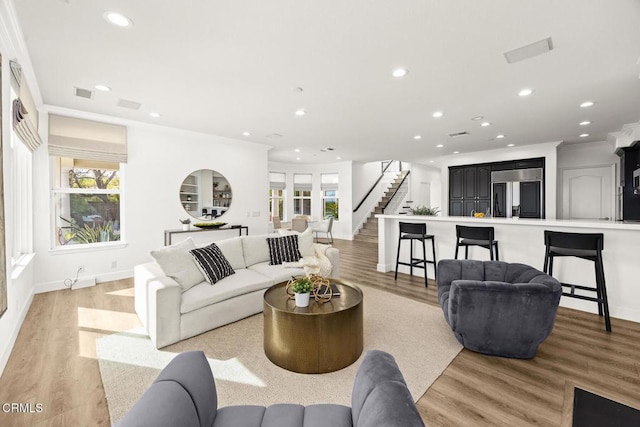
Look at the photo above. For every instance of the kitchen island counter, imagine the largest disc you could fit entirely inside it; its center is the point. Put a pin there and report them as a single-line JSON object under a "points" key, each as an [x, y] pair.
{"points": [[522, 240]]}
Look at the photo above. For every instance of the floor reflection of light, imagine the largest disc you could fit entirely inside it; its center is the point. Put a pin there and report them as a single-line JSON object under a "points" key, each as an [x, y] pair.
{"points": [[106, 320], [127, 292], [134, 347]]}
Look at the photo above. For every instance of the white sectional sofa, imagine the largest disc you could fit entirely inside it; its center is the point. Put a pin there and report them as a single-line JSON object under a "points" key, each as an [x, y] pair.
{"points": [[171, 313]]}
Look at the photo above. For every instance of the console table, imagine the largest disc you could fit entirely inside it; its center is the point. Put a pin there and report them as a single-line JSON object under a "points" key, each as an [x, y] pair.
{"points": [[170, 235]]}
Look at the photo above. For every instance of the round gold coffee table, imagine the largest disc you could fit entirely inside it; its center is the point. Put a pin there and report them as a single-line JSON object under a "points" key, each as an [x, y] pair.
{"points": [[316, 339]]}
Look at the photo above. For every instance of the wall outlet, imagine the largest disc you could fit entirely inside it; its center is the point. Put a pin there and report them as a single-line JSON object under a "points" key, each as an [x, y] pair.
{"points": [[80, 269], [114, 264], [255, 213]]}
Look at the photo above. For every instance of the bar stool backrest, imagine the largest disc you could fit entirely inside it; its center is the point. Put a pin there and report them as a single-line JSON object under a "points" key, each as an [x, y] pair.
{"points": [[412, 228], [582, 241], [475, 233]]}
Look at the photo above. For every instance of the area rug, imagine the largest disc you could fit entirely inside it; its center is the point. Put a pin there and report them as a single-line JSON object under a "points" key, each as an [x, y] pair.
{"points": [[415, 333]]}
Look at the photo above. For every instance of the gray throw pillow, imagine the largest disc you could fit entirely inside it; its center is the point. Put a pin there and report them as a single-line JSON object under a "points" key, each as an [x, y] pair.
{"points": [[212, 263], [177, 263]]}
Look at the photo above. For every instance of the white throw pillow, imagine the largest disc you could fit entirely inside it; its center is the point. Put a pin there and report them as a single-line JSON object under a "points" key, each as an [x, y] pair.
{"points": [[177, 263], [305, 240], [232, 251]]}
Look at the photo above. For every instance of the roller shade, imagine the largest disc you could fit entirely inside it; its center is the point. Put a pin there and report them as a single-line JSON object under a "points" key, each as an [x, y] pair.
{"points": [[329, 181], [277, 181], [24, 111], [302, 182], [87, 139]]}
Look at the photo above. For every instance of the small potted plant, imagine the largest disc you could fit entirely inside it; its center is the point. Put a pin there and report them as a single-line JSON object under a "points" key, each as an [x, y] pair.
{"points": [[302, 288], [186, 224]]}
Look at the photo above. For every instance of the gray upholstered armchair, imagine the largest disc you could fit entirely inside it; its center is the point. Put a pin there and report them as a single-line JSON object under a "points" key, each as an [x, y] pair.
{"points": [[498, 308]]}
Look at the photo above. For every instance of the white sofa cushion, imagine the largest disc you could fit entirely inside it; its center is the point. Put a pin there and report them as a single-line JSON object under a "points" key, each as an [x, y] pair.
{"points": [[232, 251], [203, 294], [255, 248], [177, 263], [277, 273]]}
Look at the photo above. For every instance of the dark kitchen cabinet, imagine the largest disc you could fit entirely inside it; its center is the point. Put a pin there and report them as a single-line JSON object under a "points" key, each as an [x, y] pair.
{"points": [[469, 189], [530, 205]]}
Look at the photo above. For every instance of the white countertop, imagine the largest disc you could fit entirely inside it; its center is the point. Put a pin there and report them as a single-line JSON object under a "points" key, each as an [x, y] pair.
{"points": [[595, 224]]}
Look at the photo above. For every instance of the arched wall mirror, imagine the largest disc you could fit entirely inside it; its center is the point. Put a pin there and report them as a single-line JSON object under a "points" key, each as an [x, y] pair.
{"points": [[205, 194]]}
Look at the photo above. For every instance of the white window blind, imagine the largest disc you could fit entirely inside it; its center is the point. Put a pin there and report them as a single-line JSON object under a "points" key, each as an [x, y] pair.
{"points": [[329, 181], [24, 111], [277, 181], [87, 139], [302, 182]]}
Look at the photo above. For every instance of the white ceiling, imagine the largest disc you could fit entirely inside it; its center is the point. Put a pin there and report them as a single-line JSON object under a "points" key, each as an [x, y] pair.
{"points": [[225, 67]]}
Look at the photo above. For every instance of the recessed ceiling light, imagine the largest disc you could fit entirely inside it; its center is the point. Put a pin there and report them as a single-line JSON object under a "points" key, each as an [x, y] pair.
{"points": [[102, 88], [297, 150], [438, 114], [476, 118], [485, 124], [525, 92], [417, 137], [118, 19], [587, 104], [297, 158], [430, 161], [338, 158], [154, 114], [586, 122], [439, 146], [584, 135], [246, 133], [456, 152], [510, 145], [399, 72], [500, 136], [300, 113]]}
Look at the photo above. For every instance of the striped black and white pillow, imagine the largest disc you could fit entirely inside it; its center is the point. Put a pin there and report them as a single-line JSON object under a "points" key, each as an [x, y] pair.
{"points": [[212, 263], [283, 249]]}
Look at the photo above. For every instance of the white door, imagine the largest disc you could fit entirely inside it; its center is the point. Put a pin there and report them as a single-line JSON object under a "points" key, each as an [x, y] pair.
{"points": [[588, 193]]}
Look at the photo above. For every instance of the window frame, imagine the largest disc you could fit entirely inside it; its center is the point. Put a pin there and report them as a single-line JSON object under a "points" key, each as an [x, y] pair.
{"points": [[277, 201], [22, 199], [59, 190]]}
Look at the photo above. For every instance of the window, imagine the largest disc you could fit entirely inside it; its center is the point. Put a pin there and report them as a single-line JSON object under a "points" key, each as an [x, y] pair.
{"points": [[87, 201], [22, 199], [86, 158], [302, 194], [276, 195], [330, 201]]}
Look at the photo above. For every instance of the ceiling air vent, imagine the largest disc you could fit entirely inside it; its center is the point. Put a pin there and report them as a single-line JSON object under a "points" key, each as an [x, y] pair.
{"points": [[529, 51], [84, 93], [129, 104], [458, 134]]}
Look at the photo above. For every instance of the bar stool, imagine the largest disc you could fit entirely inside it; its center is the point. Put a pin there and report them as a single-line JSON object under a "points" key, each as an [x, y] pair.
{"points": [[415, 231], [476, 236], [581, 245]]}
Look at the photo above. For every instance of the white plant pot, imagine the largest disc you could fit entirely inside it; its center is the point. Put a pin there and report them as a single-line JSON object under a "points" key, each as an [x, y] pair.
{"points": [[186, 227], [302, 300]]}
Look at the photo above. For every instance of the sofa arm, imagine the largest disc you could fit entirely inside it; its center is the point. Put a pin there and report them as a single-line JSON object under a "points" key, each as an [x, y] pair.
{"points": [[334, 256], [184, 394], [157, 303], [523, 311]]}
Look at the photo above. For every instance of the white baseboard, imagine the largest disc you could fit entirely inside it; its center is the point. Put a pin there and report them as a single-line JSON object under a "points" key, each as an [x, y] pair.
{"points": [[16, 330], [82, 283]]}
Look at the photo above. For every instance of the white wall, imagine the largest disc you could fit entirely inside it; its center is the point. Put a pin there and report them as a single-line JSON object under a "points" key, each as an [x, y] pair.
{"points": [[587, 154], [159, 160], [364, 175], [425, 176], [547, 150], [342, 227]]}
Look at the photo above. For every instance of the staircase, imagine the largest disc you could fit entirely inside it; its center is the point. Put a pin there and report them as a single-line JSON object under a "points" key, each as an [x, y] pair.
{"points": [[369, 230]]}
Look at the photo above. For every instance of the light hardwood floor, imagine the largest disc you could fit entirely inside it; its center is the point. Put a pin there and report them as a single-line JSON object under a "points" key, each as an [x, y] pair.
{"points": [[53, 361]]}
